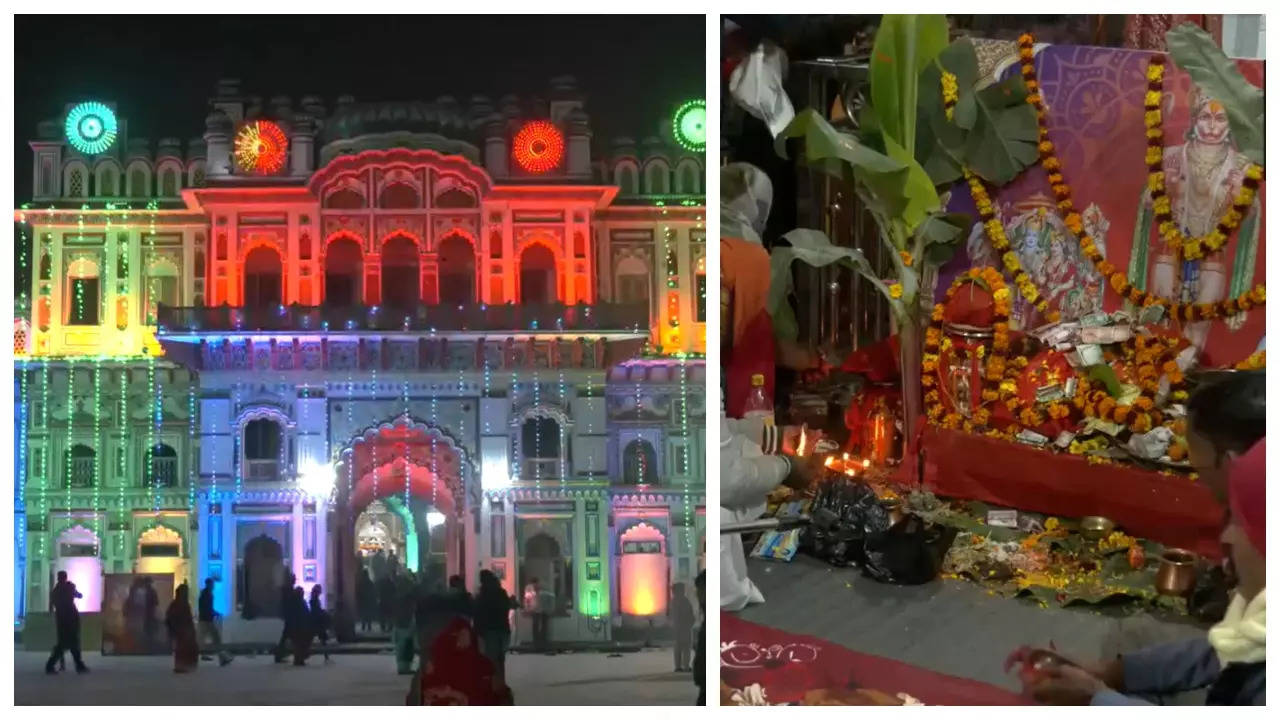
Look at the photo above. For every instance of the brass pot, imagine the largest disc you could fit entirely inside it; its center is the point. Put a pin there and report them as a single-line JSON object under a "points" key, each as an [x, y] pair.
{"points": [[893, 506], [1177, 573], [1095, 527]]}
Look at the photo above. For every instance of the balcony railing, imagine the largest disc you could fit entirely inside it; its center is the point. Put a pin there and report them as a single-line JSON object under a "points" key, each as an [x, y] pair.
{"points": [[81, 473], [609, 317], [261, 470], [164, 471], [540, 469]]}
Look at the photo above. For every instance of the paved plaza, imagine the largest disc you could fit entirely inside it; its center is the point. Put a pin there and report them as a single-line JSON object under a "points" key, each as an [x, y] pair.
{"points": [[586, 678]]}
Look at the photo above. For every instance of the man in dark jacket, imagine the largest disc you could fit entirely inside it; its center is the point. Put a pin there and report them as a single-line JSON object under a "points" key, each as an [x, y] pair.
{"points": [[208, 620], [62, 601], [700, 654], [284, 648]]}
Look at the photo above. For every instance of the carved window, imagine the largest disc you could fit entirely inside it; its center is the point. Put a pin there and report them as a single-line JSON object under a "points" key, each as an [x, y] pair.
{"points": [[169, 184], [162, 466], [457, 271], [80, 462], [75, 185], [138, 183], [639, 463]]}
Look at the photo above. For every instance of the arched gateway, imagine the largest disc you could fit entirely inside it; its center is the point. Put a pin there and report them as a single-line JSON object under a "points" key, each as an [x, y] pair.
{"points": [[418, 467]]}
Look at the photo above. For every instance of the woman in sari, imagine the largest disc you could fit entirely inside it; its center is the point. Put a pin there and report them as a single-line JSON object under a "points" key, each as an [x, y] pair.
{"points": [[182, 631], [457, 673]]}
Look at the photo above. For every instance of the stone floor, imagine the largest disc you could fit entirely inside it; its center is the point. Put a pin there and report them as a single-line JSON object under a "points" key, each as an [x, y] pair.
{"points": [[635, 678], [947, 626]]}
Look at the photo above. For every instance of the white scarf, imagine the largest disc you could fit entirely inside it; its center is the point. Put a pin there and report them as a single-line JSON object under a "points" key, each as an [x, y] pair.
{"points": [[746, 194], [1241, 637]]}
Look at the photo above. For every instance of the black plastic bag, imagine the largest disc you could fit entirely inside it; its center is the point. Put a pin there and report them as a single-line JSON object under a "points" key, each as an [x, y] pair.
{"points": [[909, 553], [1209, 598]]}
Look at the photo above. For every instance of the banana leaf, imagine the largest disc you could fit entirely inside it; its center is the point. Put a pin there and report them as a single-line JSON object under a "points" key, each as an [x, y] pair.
{"points": [[1004, 136], [841, 155], [1195, 52], [814, 249], [904, 46]]}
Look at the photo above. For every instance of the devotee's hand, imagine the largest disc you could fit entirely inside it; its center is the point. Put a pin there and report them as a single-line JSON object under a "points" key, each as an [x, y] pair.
{"points": [[792, 443], [1065, 685], [801, 475]]}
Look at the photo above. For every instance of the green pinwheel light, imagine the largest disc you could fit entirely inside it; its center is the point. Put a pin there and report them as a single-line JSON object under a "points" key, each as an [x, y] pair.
{"points": [[91, 127], [690, 123]]}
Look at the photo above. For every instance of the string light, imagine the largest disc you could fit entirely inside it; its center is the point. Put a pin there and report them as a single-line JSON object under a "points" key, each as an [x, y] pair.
{"points": [[97, 453], [191, 444], [71, 439], [538, 147]]}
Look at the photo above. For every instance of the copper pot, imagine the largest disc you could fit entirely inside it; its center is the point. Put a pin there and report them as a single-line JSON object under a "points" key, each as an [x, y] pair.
{"points": [[1177, 573]]}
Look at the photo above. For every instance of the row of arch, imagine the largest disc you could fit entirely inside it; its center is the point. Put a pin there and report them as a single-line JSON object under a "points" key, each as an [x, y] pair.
{"points": [[398, 196], [82, 463], [139, 179], [346, 280], [658, 177]]}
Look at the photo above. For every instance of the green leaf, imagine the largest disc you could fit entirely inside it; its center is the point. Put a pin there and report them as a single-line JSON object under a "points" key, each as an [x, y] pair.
{"points": [[843, 156], [919, 191], [904, 46], [813, 248], [943, 228], [1003, 140], [1195, 52], [1107, 376], [960, 59]]}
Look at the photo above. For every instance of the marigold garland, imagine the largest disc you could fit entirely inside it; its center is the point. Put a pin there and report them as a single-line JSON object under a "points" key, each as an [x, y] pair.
{"points": [[1256, 361], [1186, 312], [1000, 242], [1190, 248], [935, 344]]}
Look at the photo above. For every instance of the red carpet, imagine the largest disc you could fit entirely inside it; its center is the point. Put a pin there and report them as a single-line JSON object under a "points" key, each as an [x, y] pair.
{"points": [[788, 665]]}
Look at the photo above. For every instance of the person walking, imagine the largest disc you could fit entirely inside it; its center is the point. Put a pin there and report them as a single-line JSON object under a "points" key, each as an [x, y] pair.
{"points": [[287, 614], [62, 602], [682, 623], [301, 631], [151, 620], [700, 655], [461, 600], [366, 600], [208, 619], [493, 608], [182, 631], [386, 601], [402, 630], [320, 622]]}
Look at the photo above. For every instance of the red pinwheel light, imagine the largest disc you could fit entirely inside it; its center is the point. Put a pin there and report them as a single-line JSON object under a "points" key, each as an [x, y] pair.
{"points": [[538, 147]]}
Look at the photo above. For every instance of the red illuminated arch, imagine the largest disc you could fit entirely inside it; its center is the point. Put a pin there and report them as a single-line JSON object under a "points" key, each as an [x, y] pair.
{"points": [[328, 175]]}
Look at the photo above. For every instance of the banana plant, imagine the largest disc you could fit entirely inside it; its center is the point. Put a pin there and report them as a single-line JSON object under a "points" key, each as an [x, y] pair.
{"points": [[905, 149]]}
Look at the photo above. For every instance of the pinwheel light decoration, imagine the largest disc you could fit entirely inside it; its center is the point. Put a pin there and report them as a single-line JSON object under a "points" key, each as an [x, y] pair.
{"points": [[91, 127], [690, 125], [538, 147], [261, 148]]}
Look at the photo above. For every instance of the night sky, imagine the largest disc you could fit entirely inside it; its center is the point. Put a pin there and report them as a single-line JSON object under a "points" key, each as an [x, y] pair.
{"points": [[161, 70]]}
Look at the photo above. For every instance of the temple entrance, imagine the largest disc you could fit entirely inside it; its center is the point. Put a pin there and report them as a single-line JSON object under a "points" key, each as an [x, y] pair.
{"points": [[399, 495], [264, 575]]}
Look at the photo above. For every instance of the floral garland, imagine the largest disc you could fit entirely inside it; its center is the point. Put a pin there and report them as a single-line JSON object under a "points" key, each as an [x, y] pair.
{"points": [[935, 345], [1256, 361], [1049, 160], [1000, 241], [1155, 358], [1192, 248]]}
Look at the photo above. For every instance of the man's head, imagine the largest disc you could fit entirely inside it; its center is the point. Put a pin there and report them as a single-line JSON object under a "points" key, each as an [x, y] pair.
{"points": [[1246, 531], [456, 583], [62, 576], [208, 583], [677, 590], [1225, 417]]}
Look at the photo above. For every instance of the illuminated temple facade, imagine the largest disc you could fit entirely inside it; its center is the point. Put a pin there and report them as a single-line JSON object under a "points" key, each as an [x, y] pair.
{"points": [[467, 333]]}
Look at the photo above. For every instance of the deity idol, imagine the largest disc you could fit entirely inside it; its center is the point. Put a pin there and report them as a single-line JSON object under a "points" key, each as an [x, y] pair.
{"points": [[1050, 255], [1202, 177]]}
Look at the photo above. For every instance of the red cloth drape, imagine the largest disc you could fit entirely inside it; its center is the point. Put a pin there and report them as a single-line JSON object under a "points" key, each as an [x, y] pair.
{"points": [[786, 666]]}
